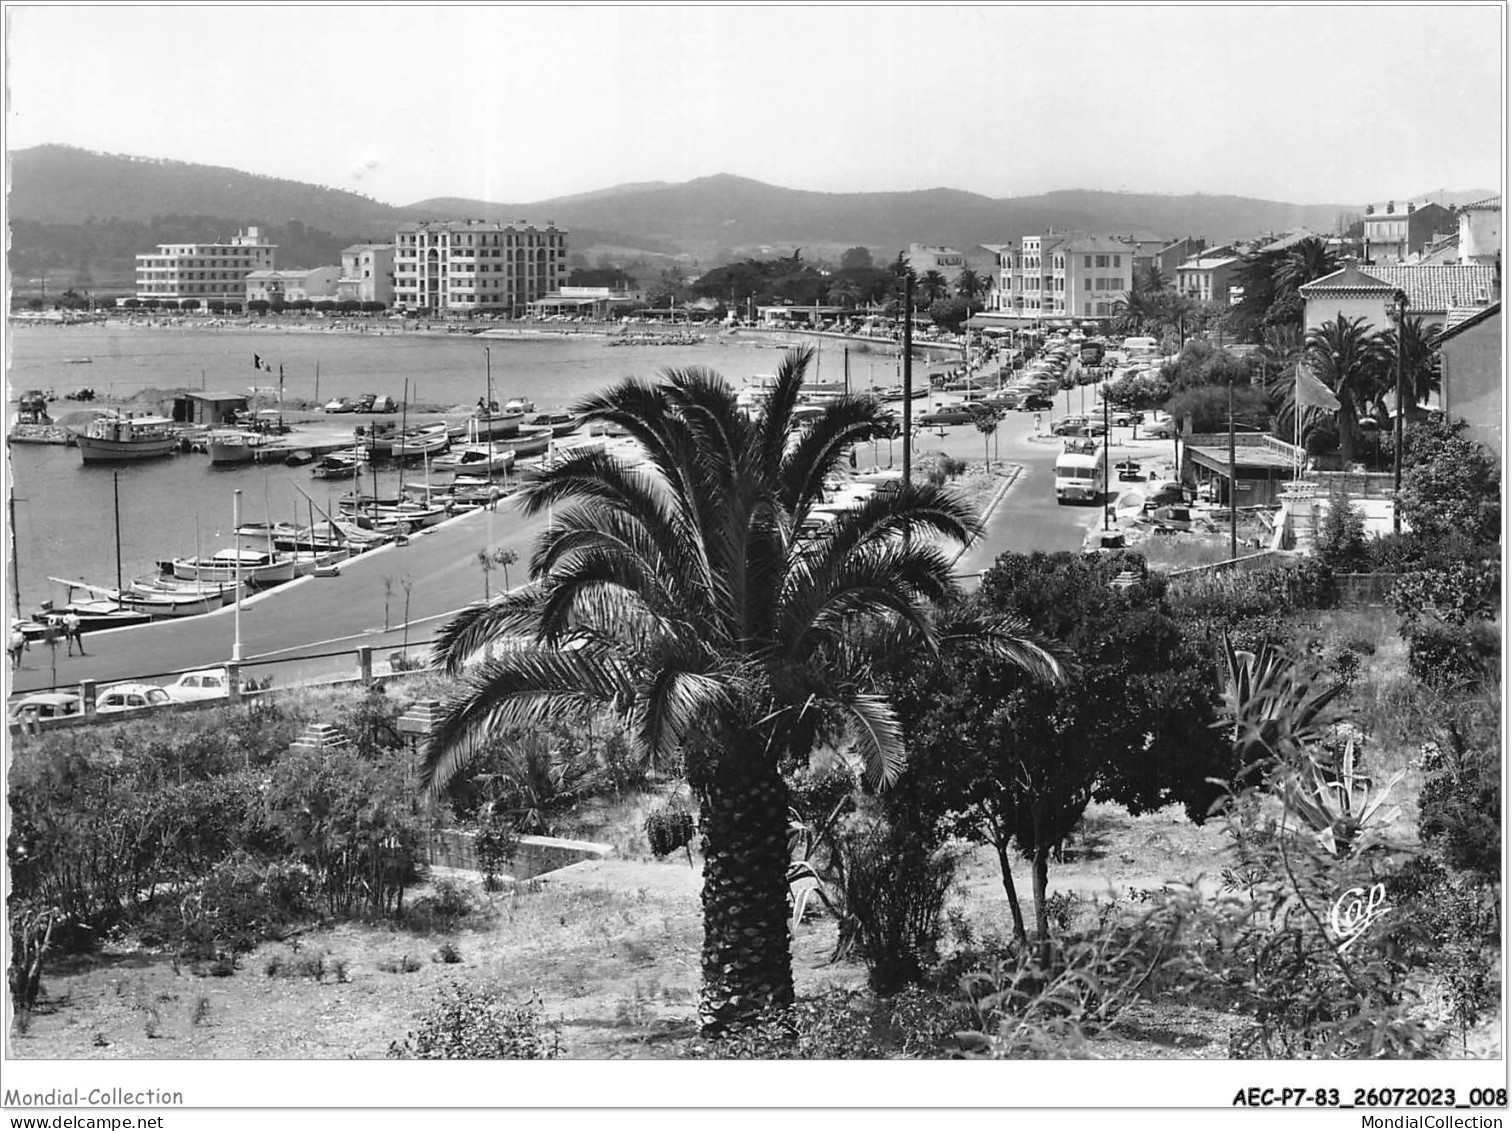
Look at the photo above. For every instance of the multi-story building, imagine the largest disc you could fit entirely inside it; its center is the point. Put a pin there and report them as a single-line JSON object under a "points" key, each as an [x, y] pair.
{"points": [[292, 284], [924, 258], [1393, 231], [473, 266], [1480, 231], [203, 271], [1091, 274], [1208, 275], [367, 273]]}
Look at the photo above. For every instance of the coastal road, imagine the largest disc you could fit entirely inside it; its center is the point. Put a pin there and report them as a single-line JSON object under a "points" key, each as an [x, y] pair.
{"points": [[320, 616]]}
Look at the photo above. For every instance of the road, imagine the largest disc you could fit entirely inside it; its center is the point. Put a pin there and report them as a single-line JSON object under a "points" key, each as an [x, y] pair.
{"points": [[437, 572]]}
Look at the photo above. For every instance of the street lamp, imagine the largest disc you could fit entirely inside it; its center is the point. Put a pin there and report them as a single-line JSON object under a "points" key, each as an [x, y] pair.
{"points": [[1398, 311]]}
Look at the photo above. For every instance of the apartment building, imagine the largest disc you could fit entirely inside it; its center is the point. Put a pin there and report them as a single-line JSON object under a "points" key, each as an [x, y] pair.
{"points": [[1394, 231], [367, 273], [203, 271], [475, 266], [1479, 235], [1208, 276]]}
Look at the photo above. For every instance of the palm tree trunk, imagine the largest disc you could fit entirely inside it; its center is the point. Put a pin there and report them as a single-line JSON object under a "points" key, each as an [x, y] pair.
{"points": [[747, 960], [1042, 912]]}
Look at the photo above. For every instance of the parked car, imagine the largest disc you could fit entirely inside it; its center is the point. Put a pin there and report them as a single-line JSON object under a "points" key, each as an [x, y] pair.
{"points": [[130, 697], [1035, 402], [1093, 428], [194, 686], [1162, 431], [384, 403], [1121, 418], [951, 414], [45, 705], [1068, 426], [340, 404]]}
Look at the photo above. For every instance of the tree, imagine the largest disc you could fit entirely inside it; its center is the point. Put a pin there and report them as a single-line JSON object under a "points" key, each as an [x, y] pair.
{"points": [[681, 592], [1009, 759], [1420, 358], [843, 291], [932, 287], [1346, 355], [856, 258], [987, 424], [1451, 485], [972, 286]]}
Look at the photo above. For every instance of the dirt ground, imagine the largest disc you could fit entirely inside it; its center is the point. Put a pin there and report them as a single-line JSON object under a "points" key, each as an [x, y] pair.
{"points": [[610, 947]]}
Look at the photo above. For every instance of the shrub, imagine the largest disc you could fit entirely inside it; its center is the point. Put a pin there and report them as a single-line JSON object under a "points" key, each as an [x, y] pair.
{"points": [[841, 1025], [473, 1023], [1340, 535], [669, 827], [895, 888], [1453, 655], [1459, 807]]}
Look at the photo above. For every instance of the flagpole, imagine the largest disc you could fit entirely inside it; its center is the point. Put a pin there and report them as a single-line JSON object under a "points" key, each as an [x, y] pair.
{"points": [[1297, 415]]}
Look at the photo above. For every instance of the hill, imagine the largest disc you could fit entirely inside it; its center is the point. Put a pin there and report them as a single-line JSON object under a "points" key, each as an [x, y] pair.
{"points": [[81, 216]]}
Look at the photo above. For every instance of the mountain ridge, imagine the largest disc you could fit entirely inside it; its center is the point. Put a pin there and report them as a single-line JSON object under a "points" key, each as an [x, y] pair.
{"points": [[62, 198]]}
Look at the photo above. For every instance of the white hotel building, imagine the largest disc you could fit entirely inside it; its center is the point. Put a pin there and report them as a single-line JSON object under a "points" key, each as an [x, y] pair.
{"points": [[474, 266], [203, 271]]}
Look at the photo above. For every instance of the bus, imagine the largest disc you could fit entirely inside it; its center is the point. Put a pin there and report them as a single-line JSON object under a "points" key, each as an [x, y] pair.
{"points": [[1140, 349], [1081, 471]]}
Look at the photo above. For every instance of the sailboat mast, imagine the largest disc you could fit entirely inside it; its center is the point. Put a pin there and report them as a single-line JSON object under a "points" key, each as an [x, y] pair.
{"points": [[15, 561], [488, 370], [116, 475]]}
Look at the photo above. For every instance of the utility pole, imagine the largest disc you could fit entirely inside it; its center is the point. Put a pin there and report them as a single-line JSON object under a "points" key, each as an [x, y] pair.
{"points": [[908, 283], [1107, 444], [1399, 305], [236, 647], [1233, 481]]}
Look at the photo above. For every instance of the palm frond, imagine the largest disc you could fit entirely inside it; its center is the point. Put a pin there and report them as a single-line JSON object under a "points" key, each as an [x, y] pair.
{"points": [[528, 688], [508, 616]]}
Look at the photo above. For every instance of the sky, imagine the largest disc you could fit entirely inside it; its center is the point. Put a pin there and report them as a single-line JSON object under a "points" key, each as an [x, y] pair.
{"points": [[1312, 104]]}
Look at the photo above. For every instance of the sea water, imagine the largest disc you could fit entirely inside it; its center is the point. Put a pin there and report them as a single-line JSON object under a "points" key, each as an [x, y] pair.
{"points": [[66, 513]]}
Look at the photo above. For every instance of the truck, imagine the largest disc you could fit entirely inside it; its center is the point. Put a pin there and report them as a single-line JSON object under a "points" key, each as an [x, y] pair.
{"points": [[1081, 471]]}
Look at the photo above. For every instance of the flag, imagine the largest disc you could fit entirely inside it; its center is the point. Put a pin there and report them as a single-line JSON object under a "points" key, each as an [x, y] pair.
{"points": [[256, 361], [1312, 393]]}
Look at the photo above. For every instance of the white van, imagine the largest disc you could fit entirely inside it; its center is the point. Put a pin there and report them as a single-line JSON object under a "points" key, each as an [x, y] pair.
{"points": [[1135, 348]]}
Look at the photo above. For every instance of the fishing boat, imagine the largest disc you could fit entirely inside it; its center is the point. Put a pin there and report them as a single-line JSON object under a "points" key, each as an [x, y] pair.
{"points": [[255, 567], [415, 443], [560, 423], [532, 442], [307, 562], [234, 447], [114, 438], [338, 465], [95, 613], [476, 459]]}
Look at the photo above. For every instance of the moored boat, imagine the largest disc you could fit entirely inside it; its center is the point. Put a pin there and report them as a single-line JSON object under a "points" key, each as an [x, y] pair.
{"points": [[531, 442], [560, 423], [337, 465], [227, 448], [255, 567], [428, 440], [476, 459], [116, 438]]}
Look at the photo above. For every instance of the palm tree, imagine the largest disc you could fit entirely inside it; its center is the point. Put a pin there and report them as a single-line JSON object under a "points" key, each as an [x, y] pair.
{"points": [[1420, 358], [1346, 355], [682, 592], [932, 287], [972, 286], [1303, 262]]}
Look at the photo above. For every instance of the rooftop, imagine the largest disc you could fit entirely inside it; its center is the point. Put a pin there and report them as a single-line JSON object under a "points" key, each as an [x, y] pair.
{"points": [[1431, 288]]}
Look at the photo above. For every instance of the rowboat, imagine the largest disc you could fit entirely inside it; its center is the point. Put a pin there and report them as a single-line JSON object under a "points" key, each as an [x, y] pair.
{"points": [[338, 465], [418, 442], [532, 442]]}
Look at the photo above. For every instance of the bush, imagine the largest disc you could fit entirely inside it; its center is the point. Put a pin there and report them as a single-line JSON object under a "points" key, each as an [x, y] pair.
{"points": [[895, 888], [840, 1025], [1340, 535], [1454, 655], [472, 1023], [1459, 808]]}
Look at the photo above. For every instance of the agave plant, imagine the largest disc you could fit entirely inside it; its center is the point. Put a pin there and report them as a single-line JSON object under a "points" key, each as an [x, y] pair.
{"points": [[1334, 798], [1276, 706]]}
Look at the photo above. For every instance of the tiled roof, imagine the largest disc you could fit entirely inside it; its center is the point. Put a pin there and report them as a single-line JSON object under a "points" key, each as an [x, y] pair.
{"points": [[1432, 288], [1291, 239], [1082, 243], [1461, 320]]}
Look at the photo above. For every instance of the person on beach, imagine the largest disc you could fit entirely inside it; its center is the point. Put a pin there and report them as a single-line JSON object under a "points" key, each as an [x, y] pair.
{"points": [[72, 633]]}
